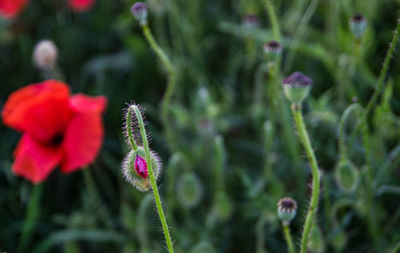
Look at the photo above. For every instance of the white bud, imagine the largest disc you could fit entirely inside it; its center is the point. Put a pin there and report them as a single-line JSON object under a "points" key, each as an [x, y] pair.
{"points": [[45, 54]]}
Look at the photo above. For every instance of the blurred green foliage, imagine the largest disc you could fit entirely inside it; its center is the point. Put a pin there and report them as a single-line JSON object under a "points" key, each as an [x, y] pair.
{"points": [[233, 162]]}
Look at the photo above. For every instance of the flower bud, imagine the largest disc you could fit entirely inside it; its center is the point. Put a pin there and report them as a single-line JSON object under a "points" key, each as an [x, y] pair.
{"points": [[358, 23], [316, 242], [223, 205], [136, 169], [297, 87], [139, 12], [346, 175], [272, 49], [250, 21], [189, 190], [203, 247], [45, 54], [287, 208]]}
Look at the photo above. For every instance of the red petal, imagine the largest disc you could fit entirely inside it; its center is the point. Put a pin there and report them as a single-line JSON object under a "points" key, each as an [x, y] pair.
{"points": [[11, 8], [42, 109], [35, 161], [84, 135], [81, 5]]}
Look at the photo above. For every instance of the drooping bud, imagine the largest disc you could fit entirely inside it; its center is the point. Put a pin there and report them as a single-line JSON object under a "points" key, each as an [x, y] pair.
{"points": [[272, 49], [141, 167], [136, 170], [250, 21], [203, 247], [358, 23], [139, 12], [346, 175], [223, 205], [316, 242], [287, 208], [190, 190], [45, 54], [296, 87]]}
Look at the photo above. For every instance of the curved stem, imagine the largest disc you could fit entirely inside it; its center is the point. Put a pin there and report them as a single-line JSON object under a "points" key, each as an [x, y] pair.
{"points": [[152, 180], [129, 131], [288, 237], [305, 140], [384, 69], [342, 123], [170, 87]]}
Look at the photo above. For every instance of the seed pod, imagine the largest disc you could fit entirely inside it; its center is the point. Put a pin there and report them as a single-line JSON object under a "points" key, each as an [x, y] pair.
{"points": [[287, 208], [272, 50], [346, 175], [135, 168], [190, 190], [296, 87], [358, 23], [250, 21], [45, 54], [139, 12]]}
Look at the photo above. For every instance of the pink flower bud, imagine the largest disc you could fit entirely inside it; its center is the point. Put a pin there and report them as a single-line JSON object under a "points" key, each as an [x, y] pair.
{"points": [[141, 167]]}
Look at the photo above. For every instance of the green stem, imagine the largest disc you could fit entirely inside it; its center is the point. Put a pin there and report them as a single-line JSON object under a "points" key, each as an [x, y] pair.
{"points": [[153, 181], [288, 237], [165, 106], [305, 140], [342, 124], [103, 212], [129, 131], [273, 19], [384, 69], [32, 215]]}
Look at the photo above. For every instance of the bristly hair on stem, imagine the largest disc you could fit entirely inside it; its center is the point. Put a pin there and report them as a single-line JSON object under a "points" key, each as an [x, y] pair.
{"points": [[131, 127]]}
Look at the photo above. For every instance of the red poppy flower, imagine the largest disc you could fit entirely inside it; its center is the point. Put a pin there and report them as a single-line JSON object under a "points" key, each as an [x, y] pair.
{"points": [[11, 8], [81, 5], [58, 129]]}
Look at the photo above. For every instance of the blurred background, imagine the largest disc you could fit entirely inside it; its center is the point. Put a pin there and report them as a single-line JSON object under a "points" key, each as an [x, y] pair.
{"points": [[233, 157]]}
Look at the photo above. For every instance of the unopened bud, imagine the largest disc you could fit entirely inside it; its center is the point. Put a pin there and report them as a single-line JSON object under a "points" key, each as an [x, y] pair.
{"points": [[45, 54], [190, 190], [136, 170], [346, 175]]}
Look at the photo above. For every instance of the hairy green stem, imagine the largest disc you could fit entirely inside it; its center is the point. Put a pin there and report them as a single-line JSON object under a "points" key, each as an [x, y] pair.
{"points": [[342, 125], [152, 180], [384, 69], [273, 19], [31, 217], [288, 237], [171, 86], [305, 140], [129, 130]]}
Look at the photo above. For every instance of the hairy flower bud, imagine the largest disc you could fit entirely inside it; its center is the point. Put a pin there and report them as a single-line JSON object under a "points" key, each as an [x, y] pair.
{"points": [[358, 23], [45, 54], [297, 87], [139, 12], [346, 175], [287, 208], [190, 190], [135, 168]]}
